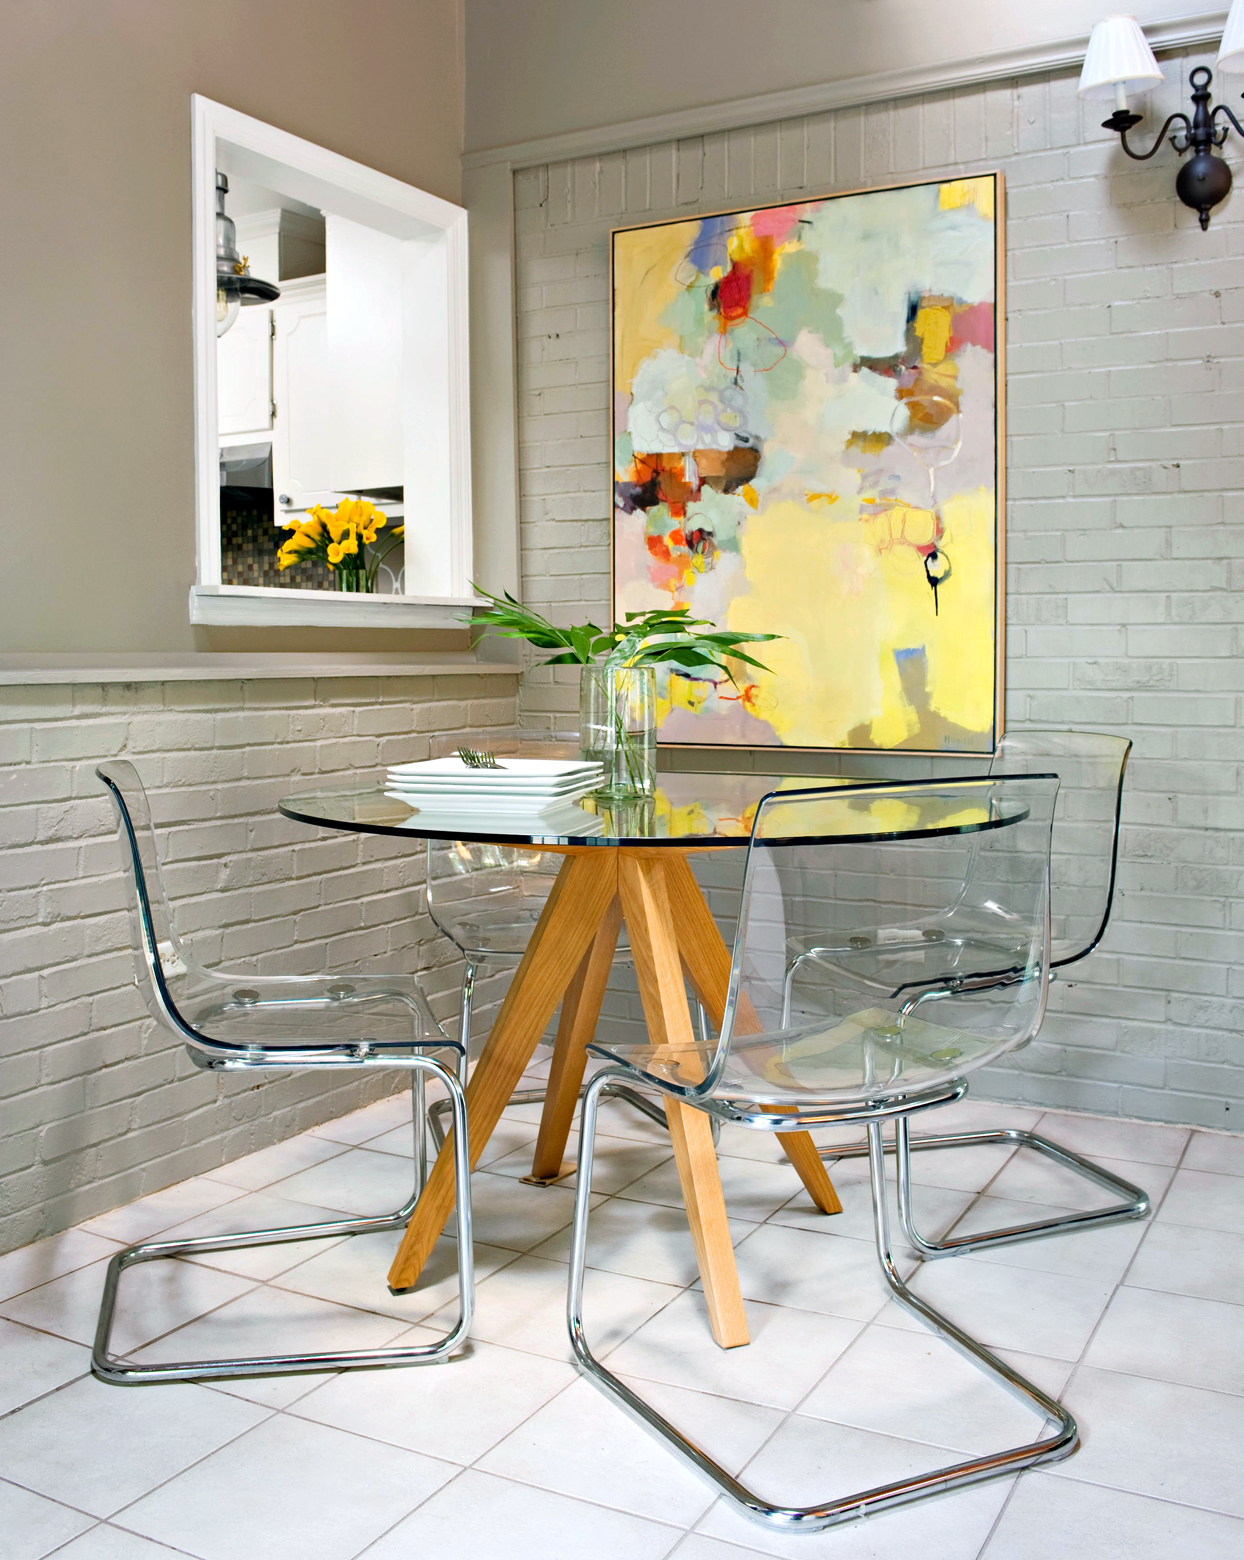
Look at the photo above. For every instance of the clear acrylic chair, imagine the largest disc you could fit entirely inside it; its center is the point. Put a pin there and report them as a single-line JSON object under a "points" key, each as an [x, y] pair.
{"points": [[890, 1027], [235, 1023], [1084, 861]]}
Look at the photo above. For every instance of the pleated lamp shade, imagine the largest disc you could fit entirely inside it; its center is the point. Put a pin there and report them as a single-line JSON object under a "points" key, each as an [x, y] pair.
{"points": [[1119, 56], [1231, 50]]}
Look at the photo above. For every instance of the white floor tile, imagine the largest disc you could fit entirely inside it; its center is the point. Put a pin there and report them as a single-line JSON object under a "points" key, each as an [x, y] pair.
{"points": [[753, 1188], [272, 1321], [1158, 1439], [98, 1447], [35, 1363], [1009, 1308], [697, 1546], [161, 1210], [357, 1181], [48, 1259], [1098, 1254], [936, 1209], [114, 1543], [975, 1115], [1209, 1201], [1142, 1142], [481, 1517], [644, 1240], [34, 1526], [746, 1143], [506, 1213], [524, 1307], [255, 1171], [152, 1298], [1183, 1260], [355, 1272], [789, 1351], [257, 1211], [1032, 1177], [315, 1493], [812, 1272], [617, 1161], [456, 1411], [507, 1138], [809, 1461], [361, 1125], [955, 1169], [1222, 1152], [1199, 1343], [584, 1444], [1047, 1516], [915, 1387], [618, 1119]]}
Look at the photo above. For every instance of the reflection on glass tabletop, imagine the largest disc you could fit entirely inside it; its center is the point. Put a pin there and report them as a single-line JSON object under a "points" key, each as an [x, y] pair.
{"points": [[701, 809]]}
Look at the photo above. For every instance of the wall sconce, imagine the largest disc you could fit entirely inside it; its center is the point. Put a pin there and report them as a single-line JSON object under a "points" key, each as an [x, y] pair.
{"points": [[1119, 61]]}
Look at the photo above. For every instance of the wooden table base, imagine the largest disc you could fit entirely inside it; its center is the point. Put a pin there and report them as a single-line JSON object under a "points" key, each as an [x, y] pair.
{"points": [[671, 931]]}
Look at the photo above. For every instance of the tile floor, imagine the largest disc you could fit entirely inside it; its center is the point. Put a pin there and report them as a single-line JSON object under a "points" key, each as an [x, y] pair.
{"points": [[506, 1452]]}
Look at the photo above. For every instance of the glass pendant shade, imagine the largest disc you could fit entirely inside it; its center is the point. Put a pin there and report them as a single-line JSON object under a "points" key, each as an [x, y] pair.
{"points": [[1231, 50], [1119, 61], [235, 285]]}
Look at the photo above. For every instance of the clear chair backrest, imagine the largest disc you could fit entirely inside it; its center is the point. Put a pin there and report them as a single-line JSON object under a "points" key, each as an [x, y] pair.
{"points": [[1090, 766], [922, 897], [488, 898], [157, 947]]}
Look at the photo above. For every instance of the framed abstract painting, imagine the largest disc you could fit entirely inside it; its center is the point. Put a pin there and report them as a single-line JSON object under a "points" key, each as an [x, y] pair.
{"points": [[808, 427]]}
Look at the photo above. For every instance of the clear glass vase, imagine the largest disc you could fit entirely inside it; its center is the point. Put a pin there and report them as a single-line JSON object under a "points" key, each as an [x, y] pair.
{"points": [[618, 726]]}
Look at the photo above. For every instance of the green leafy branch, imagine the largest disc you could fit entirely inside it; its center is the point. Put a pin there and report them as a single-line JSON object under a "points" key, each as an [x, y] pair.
{"points": [[662, 637]]}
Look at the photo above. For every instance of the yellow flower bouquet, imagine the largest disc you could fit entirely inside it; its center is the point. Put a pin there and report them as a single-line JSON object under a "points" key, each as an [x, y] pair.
{"points": [[344, 540]]}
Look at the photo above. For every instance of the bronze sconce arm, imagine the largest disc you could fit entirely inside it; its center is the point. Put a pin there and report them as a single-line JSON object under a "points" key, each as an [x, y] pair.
{"points": [[1205, 179]]}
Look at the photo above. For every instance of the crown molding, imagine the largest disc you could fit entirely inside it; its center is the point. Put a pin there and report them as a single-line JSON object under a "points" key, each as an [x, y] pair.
{"points": [[765, 107]]}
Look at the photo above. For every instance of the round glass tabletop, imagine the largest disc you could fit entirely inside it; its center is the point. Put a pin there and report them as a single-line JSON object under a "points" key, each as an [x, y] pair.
{"points": [[700, 810]]}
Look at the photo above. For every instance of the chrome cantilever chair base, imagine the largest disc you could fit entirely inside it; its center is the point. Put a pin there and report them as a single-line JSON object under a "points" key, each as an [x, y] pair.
{"points": [[119, 1372], [1136, 1204], [1061, 1443]]}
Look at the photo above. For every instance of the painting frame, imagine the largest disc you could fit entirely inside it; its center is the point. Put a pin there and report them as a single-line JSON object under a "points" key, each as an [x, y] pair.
{"points": [[768, 750]]}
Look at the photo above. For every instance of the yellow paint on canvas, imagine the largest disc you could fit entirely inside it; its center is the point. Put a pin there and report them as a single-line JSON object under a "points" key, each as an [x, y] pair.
{"points": [[968, 192], [849, 621], [644, 268]]}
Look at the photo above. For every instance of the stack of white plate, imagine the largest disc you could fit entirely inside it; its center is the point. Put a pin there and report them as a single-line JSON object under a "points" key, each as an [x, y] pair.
{"points": [[520, 786]]}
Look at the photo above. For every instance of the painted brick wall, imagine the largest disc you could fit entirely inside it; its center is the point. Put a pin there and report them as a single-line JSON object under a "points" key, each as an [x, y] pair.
{"points": [[99, 1105], [1125, 525]]}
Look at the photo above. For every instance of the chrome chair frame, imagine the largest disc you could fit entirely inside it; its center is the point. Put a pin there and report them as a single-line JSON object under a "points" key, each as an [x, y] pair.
{"points": [[1134, 1204], [220, 1056], [846, 1508]]}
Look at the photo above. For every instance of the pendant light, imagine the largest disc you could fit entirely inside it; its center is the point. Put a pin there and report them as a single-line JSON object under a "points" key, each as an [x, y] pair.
{"points": [[235, 286]]}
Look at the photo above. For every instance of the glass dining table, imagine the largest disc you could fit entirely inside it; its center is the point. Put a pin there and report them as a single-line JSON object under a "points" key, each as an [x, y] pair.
{"points": [[624, 863]]}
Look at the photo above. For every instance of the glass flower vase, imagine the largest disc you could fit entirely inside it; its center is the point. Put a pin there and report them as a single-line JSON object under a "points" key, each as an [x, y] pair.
{"points": [[618, 726]]}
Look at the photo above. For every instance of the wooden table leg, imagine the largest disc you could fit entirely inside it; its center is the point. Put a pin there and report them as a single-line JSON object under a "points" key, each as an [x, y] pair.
{"points": [[654, 944], [580, 1010], [582, 896], [707, 962]]}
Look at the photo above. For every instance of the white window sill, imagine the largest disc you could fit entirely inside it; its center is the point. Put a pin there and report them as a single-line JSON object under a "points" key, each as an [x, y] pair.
{"points": [[25, 669], [259, 606]]}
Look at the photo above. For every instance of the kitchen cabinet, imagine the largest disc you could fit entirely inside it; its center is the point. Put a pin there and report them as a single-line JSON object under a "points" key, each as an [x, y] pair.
{"points": [[244, 374], [302, 430]]}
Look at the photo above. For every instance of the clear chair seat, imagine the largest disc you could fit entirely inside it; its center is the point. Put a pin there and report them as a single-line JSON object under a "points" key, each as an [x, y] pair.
{"points": [[865, 1058], [307, 1010]]}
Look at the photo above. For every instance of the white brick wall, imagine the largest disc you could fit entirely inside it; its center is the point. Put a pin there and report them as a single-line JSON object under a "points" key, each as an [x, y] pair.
{"points": [[1125, 528], [99, 1105]]}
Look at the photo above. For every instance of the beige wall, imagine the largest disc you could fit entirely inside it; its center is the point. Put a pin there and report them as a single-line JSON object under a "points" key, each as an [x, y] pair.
{"points": [[96, 414], [540, 67]]}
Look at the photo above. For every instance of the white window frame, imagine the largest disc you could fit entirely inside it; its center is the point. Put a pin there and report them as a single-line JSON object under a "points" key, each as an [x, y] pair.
{"points": [[325, 179]]}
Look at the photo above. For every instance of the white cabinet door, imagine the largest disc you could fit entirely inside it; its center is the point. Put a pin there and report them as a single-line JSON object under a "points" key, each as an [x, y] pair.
{"points": [[244, 373], [302, 440]]}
